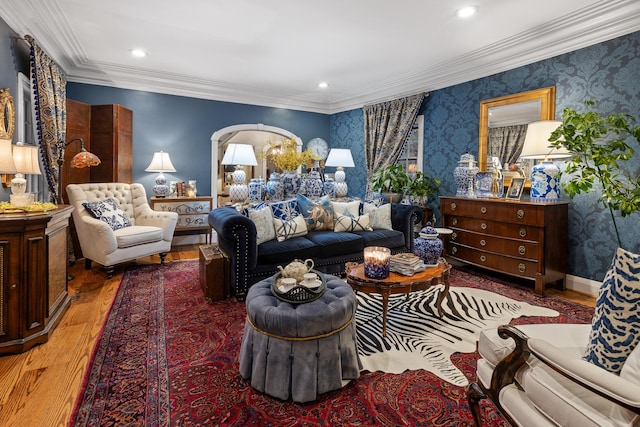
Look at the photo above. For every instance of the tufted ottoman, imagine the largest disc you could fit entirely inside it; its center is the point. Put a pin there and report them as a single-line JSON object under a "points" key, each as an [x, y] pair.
{"points": [[300, 350]]}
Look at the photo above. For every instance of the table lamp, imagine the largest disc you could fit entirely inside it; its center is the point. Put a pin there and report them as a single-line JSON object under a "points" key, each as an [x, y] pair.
{"points": [[239, 155], [160, 163], [544, 186], [340, 158], [25, 158]]}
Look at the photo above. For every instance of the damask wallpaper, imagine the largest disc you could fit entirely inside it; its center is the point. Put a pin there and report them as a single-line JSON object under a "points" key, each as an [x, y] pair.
{"points": [[608, 72]]}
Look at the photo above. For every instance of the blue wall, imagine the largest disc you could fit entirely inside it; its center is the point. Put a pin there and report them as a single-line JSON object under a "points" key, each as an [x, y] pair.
{"points": [[183, 127], [609, 72]]}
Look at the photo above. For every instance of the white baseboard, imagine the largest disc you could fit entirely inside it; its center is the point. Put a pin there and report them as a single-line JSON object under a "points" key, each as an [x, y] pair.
{"points": [[585, 286]]}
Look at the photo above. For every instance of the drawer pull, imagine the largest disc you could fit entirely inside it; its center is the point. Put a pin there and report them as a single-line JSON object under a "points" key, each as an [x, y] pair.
{"points": [[454, 221], [453, 206], [523, 232], [454, 235], [483, 210], [483, 258], [520, 213], [522, 250], [522, 268], [454, 250], [483, 226], [483, 242]]}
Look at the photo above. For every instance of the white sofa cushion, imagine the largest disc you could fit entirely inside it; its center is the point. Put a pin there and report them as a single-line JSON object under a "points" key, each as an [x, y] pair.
{"points": [[137, 235]]}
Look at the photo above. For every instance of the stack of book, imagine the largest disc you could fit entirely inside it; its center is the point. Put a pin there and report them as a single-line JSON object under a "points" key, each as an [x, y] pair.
{"points": [[406, 264]]}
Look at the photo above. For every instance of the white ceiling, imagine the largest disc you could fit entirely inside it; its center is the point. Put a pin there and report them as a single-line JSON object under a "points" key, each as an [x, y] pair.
{"points": [[274, 53]]}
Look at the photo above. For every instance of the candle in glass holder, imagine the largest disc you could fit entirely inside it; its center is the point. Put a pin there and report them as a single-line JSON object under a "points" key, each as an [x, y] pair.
{"points": [[376, 262]]}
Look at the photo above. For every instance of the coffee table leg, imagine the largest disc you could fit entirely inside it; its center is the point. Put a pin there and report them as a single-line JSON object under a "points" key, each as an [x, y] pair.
{"points": [[444, 293], [385, 304]]}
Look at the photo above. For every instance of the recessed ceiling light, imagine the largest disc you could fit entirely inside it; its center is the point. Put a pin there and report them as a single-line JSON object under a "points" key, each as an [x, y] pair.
{"points": [[139, 53], [467, 11], [323, 85]]}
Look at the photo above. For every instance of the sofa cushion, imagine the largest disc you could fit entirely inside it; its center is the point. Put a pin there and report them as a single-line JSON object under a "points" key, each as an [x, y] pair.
{"points": [[108, 211], [285, 210], [386, 238], [289, 228], [317, 213], [332, 244], [346, 208], [263, 219], [274, 252], [616, 320], [380, 216], [137, 235], [630, 372], [352, 223]]}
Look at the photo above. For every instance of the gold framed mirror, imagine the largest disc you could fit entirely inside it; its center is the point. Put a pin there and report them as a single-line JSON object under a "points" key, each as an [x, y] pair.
{"points": [[7, 114], [518, 108]]}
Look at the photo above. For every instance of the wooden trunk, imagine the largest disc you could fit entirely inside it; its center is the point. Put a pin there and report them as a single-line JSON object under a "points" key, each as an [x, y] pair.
{"points": [[214, 273]]}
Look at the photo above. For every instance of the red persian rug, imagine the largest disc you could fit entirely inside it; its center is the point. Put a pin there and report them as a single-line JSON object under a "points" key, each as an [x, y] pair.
{"points": [[168, 358]]}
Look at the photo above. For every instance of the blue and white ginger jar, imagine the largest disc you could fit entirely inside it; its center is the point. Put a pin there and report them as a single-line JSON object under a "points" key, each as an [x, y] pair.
{"points": [[428, 246]]}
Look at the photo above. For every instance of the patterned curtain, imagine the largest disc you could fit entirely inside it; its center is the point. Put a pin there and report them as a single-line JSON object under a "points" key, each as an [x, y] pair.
{"points": [[506, 143], [49, 84], [386, 128]]}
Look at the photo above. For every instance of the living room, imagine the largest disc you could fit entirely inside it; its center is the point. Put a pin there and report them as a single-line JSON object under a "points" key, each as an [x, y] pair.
{"points": [[606, 70]]}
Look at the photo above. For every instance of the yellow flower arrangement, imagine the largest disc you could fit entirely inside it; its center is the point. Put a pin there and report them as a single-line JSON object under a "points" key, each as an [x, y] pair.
{"points": [[285, 156]]}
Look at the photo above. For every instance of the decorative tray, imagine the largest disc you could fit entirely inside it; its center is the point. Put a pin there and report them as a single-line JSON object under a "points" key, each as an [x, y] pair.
{"points": [[298, 294]]}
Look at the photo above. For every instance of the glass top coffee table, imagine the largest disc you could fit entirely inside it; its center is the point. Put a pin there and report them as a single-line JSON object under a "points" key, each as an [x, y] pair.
{"points": [[399, 284]]}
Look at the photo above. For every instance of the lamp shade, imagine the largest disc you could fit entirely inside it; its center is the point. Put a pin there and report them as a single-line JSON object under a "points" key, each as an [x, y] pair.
{"points": [[239, 154], [160, 163], [25, 158], [7, 164], [536, 141], [340, 157]]}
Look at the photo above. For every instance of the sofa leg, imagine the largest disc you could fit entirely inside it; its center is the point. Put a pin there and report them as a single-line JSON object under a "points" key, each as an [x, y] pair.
{"points": [[163, 255], [87, 264], [109, 270], [474, 396]]}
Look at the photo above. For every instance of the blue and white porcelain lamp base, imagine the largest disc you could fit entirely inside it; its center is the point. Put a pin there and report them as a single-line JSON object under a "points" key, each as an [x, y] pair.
{"points": [[239, 191], [161, 189], [340, 184], [544, 185]]}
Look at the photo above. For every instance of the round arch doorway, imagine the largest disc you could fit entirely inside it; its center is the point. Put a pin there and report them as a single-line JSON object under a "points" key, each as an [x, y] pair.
{"points": [[222, 136]]}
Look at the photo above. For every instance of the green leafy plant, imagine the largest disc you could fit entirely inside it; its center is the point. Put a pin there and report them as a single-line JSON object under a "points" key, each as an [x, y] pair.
{"points": [[391, 179], [599, 145], [423, 187]]}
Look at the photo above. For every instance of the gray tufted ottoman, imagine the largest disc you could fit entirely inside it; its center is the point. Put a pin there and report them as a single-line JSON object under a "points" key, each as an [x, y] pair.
{"points": [[300, 350]]}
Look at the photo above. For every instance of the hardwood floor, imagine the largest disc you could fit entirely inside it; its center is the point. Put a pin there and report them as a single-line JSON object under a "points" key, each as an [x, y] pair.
{"points": [[39, 387]]}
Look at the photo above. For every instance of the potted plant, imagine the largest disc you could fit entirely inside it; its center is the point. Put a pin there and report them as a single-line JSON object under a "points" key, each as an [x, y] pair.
{"points": [[599, 144], [390, 182], [422, 188]]}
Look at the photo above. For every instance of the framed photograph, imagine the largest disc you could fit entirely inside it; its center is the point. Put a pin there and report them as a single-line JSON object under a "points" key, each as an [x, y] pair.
{"points": [[515, 189]]}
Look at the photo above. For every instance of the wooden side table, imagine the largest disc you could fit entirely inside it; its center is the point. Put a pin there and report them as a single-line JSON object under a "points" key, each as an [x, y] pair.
{"points": [[399, 284], [193, 213]]}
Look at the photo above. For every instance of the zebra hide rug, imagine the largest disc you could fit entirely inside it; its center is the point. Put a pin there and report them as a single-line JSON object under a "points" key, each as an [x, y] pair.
{"points": [[418, 339]]}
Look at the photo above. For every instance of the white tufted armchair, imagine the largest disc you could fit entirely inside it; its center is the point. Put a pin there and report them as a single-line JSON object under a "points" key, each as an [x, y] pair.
{"points": [[151, 232]]}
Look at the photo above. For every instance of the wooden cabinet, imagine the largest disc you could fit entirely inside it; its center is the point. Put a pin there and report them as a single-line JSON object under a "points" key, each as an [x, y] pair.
{"points": [[33, 276], [193, 213], [520, 238], [111, 141]]}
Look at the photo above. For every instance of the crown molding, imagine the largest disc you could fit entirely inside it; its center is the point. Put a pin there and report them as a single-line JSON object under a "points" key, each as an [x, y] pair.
{"points": [[595, 23]]}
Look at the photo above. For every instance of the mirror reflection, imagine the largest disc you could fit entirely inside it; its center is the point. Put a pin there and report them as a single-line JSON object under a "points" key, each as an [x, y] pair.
{"points": [[503, 124]]}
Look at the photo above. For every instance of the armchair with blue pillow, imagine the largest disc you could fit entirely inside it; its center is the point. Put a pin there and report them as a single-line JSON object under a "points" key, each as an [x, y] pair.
{"points": [[259, 238]]}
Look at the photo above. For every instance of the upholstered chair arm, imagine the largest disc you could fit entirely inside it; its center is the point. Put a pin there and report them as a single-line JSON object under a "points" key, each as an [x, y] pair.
{"points": [[403, 218], [165, 220], [100, 236], [596, 379]]}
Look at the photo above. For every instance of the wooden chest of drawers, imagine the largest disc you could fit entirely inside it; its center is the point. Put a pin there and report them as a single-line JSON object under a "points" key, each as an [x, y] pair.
{"points": [[193, 213], [521, 238]]}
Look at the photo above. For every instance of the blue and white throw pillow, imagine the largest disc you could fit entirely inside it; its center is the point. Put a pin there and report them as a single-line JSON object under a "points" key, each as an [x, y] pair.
{"points": [[287, 209], [346, 208], [108, 211], [317, 213], [350, 223], [615, 327], [290, 228], [263, 219], [380, 216]]}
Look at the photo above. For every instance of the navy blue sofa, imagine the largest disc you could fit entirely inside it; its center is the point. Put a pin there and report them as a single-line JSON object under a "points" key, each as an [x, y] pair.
{"points": [[329, 250]]}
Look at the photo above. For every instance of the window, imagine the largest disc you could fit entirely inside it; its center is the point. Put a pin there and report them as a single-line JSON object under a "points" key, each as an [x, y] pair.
{"points": [[412, 152]]}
